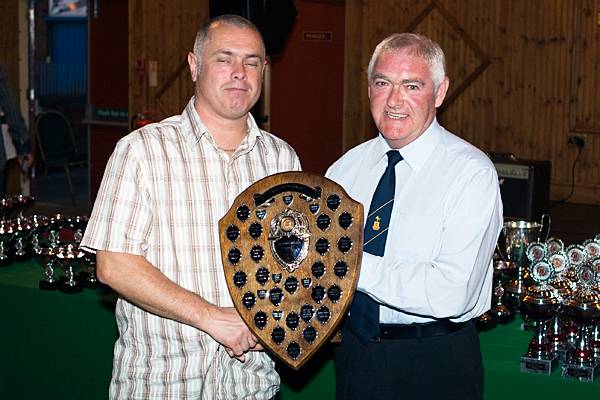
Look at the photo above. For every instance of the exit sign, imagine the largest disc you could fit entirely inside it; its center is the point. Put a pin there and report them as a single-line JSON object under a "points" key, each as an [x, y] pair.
{"points": [[317, 36]]}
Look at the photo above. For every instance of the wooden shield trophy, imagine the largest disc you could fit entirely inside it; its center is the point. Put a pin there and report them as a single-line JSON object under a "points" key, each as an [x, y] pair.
{"points": [[291, 246]]}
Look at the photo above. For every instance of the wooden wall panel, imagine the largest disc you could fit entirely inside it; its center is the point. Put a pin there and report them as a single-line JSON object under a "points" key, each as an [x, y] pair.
{"points": [[307, 86], [584, 99], [355, 87], [108, 83], [585, 113], [163, 32], [540, 86], [9, 39]]}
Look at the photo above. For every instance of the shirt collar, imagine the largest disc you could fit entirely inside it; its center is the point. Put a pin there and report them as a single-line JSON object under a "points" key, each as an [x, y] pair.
{"points": [[415, 153], [195, 128]]}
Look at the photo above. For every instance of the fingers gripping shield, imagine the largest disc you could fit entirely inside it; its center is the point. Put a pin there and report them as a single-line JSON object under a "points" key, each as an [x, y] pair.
{"points": [[291, 246]]}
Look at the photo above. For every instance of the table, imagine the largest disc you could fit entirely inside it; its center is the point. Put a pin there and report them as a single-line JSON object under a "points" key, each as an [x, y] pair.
{"points": [[59, 346], [501, 349], [53, 345]]}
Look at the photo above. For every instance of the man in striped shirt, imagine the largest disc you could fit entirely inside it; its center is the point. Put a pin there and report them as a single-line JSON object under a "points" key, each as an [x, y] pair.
{"points": [[155, 229]]}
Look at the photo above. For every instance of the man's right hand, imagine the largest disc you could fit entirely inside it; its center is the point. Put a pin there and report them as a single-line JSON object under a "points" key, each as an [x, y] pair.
{"points": [[227, 327], [143, 284]]}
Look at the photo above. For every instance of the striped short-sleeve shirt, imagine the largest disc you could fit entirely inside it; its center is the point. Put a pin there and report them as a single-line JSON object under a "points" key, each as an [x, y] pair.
{"points": [[164, 190]]}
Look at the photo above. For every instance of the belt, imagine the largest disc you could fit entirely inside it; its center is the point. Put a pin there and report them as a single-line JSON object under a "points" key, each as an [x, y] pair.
{"points": [[419, 331]]}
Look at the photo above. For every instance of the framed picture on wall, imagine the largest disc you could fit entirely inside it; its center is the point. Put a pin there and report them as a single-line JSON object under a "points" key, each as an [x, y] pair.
{"points": [[67, 8]]}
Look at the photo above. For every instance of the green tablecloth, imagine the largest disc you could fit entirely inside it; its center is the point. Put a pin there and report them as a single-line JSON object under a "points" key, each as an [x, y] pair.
{"points": [[501, 348], [59, 346], [53, 345]]}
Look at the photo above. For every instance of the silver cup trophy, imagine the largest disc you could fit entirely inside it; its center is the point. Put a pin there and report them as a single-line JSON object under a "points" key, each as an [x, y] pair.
{"points": [[68, 258], [584, 308], [6, 234], [540, 302], [518, 235], [47, 256]]}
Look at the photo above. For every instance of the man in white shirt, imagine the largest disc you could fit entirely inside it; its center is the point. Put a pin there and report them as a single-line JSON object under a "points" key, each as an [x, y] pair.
{"points": [[426, 270]]}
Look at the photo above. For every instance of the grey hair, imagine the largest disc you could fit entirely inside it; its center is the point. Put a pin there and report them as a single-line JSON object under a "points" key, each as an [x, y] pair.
{"points": [[417, 45], [204, 33]]}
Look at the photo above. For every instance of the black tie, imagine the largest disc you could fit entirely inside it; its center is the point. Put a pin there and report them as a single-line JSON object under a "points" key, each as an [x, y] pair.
{"points": [[364, 312]]}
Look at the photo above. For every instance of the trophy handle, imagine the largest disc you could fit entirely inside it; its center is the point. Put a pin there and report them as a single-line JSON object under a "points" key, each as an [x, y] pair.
{"points": [[500, 252], [547, 218], [314, 193]]}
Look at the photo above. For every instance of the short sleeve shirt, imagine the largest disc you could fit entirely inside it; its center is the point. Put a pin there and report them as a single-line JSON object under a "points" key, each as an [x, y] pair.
{"points": [[164, 190]]}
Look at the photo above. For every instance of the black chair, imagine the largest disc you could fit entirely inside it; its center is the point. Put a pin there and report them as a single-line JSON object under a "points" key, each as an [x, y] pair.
{"points": [[56, 145]]}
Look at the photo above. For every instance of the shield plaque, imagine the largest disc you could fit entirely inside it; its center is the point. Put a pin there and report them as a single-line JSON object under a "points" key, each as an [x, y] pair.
{"points": [[291, 246]]}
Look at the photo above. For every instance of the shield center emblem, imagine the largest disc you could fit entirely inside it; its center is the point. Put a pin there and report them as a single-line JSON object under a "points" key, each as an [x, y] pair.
{"points": [[288, 248], [289, 238]]}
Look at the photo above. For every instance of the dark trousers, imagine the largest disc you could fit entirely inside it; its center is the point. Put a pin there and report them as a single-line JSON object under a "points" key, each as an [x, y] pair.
{"points": [[442, 367]]}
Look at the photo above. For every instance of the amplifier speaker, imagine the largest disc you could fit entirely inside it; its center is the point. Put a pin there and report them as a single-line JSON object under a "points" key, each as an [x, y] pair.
{"points": [[273, 18], [524, 186]]}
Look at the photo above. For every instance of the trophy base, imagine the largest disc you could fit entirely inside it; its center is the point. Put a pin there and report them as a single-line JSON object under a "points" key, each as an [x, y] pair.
{"points": [[82, 276], [506, 319], [485, 323], [5, 261], [45, 285], [562, 355], [543, 366], [513, 301], [581, 372], [502, 314], [529, 325], [63, 287], [22, 257], [91, 284]]}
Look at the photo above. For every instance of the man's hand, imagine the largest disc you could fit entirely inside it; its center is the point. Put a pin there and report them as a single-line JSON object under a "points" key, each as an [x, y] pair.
{"points": [[134, 278], [227, 327], [28, 157]]}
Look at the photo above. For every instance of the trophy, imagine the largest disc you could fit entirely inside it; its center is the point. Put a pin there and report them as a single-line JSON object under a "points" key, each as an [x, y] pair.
{"points": [[39, 225], [592, 248], [540, 302], [78, 225], [291, 246], [561, 332], [47, 256], [595, 264], [88, 278], [557, 336], [486, 322], [56, 224], [22, 230], [584, 308], [518, 236], [576, 255], [6, 234], [595, 341], [554, 245], [22, 203], [499, 311], [68, 257], [6, 206], [560, 264]]}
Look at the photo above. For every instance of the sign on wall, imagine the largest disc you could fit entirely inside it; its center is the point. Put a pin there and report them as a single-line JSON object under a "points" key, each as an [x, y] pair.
{"points": [[67, 8]]}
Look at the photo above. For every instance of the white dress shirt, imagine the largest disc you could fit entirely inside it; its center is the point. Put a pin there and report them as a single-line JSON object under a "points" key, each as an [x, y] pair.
{"points": [[444, 226]]}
